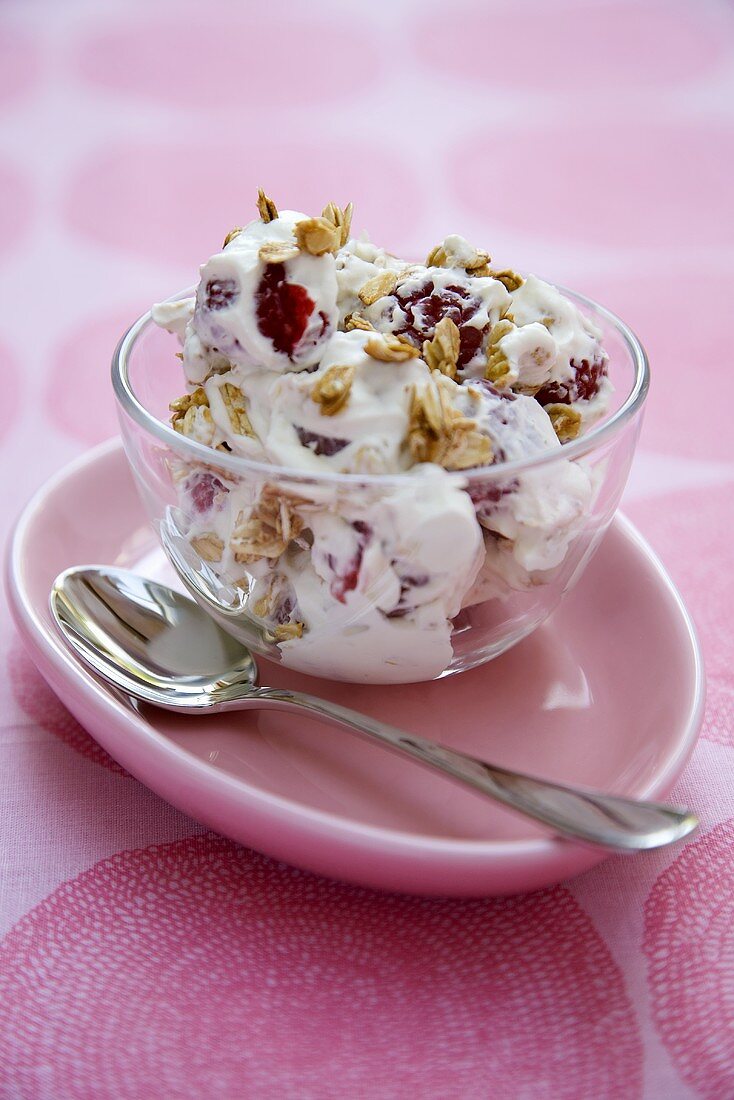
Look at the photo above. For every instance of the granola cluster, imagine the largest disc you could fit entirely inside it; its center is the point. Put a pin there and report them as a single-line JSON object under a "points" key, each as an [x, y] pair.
{"points": [[267, 528], [439, 433]]}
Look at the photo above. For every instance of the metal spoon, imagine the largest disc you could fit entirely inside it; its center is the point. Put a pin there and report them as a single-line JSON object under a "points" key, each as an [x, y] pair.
{"points": [[161, 648]]}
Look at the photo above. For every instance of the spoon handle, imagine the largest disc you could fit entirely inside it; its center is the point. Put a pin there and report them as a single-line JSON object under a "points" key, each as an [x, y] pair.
{"points": [[600, 819]]}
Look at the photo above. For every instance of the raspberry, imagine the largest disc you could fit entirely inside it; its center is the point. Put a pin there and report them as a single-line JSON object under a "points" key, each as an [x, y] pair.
{"points": [[587, 378], [204, 489], [488, 387], [321, 444], [402, 608], [491, 494], [282, 308], [221, 293], [584, 386], [283, 611], [426, 306], [347, 581], [485, 497]]}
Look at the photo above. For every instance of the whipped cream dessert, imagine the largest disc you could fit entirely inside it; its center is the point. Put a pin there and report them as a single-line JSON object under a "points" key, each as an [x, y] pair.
{"points": [[308, 349]]}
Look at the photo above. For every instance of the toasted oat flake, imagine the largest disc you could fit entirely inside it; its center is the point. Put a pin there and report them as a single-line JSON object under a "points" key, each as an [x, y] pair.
{"points": [[427, 422], [286, 632], [391, 349], [357, 321], [231, 235], [192, 411], [566, 421], [341, 219], [509, 279], [266, 207], [182, 404], [437, 432], [277, 252], [266, 531], [208, 546], [261, 607], [441, 257], [497, 368], [198, 424], [378, 287], [265, 606], [368, 460], [442, 352], [478, 263], [437, 257], [317, 236], [234, 402], [332, 390]]}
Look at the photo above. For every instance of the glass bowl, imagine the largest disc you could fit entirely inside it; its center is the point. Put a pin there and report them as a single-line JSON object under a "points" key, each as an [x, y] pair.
{"points": [[331, 597]]}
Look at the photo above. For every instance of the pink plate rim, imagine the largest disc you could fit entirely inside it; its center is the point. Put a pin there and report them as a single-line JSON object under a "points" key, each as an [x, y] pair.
{"points": [[58, 663]]}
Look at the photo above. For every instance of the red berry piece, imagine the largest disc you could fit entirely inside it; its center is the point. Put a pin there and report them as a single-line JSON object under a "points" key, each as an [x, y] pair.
{"points": [[427, 305], [347, 580], [221, 293], [205, 490], [583, 387], [282, 308], [491, 494], [488, 387], [321, 444], [587, 378], [407, 583], [485, 496], [283, 611]]}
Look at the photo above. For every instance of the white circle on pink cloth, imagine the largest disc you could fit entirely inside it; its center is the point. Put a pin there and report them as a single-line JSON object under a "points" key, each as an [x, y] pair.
{"points": [[615, 184], [9, 381], [677, 421], [689, 944], [719, 721], [158, 201], [16, 207], [35, 698], [20, 67], [691, 530], [201, 968], [244, 63], [78, 397], [569, 47]]}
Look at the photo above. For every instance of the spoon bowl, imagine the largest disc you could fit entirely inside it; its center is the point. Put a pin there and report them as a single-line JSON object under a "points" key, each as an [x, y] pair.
{"points": [[149, 640]]}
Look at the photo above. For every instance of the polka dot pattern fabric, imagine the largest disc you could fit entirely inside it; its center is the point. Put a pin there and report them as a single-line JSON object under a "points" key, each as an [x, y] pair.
{"points": [[689, 928], [593, 143], [285, 975], [38, 703]]}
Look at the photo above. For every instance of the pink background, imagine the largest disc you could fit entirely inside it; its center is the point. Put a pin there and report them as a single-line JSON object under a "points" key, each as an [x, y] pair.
{"points": [[591, 142]]}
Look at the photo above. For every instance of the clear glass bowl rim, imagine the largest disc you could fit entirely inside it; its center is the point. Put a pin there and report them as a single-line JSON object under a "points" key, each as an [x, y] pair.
{"points": [[240, 466]]}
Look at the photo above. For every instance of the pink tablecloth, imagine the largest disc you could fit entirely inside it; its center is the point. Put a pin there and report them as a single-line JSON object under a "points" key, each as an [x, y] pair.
{"points": [[591, 142]]}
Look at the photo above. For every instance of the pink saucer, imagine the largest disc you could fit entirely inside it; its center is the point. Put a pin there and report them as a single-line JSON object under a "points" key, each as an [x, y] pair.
{"points": [[608, 693]]}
